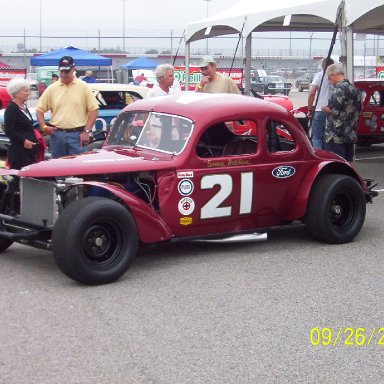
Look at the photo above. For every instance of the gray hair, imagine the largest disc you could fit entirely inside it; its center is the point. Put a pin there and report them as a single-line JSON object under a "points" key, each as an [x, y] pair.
{"points": [[16, 85], [334, 69], [162, 69]]}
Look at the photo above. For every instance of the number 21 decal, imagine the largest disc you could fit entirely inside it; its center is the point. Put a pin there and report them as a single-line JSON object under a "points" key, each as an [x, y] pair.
{"points": [[213, 206]]}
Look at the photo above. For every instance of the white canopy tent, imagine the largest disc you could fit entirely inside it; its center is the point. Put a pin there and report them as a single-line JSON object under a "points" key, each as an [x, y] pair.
{"points": [[248, 16]]}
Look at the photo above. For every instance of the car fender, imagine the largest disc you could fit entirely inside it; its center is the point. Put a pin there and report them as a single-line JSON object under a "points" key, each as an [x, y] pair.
{"points": [[299, 207], [150, 226]]}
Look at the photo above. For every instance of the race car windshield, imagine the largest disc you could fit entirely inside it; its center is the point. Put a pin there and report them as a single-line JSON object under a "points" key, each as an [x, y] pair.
{"points": [[161, 132], [165, 133]]}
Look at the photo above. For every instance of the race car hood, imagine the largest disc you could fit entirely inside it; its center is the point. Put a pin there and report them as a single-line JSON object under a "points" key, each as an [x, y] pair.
{"points": [[103, 161]]}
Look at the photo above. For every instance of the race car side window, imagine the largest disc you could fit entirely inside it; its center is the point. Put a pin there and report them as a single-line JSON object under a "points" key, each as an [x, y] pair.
{"points": [[279, 139], [377, 99], [228, 138], [115, 99]]}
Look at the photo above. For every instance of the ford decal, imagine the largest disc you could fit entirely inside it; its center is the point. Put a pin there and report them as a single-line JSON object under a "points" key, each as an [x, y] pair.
{"points": [[283, 171]]}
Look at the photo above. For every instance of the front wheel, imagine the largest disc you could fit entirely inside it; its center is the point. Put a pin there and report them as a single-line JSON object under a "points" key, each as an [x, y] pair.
{"points": [[94, 240], [336, 209]]}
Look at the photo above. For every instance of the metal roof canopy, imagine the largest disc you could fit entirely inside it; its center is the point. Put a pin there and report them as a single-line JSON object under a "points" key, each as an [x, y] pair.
{"points": [[248, 16]]}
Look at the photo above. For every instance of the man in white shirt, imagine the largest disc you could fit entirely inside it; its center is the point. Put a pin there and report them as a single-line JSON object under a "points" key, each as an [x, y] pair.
{"points": [[319, 117], [164, 76]]}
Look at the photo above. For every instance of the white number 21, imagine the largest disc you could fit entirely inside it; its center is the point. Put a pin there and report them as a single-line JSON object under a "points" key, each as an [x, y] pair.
{"points": [[213, 207]]}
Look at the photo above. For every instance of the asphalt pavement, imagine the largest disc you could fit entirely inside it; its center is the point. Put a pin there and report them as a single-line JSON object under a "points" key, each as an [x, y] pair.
{"points": [[287, 310]]}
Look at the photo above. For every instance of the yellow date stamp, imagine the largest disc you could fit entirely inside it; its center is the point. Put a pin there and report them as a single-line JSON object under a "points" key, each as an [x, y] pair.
{"points": [[347, 336]]}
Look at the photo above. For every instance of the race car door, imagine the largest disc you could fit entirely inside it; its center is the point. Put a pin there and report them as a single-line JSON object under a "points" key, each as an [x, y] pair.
{"points": [[215, 195]]}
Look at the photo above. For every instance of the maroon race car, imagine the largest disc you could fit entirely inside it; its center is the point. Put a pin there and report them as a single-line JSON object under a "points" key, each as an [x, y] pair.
{"points": [[175, 168], [371, 121]]}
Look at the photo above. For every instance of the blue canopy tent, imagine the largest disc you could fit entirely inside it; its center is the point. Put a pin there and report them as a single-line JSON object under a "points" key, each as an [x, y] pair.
{"points": [[140, 63], [80, 57]]}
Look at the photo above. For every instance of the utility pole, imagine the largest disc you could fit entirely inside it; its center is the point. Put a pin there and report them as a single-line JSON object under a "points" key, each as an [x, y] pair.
{"points": [[123, 26], [41, 49]]}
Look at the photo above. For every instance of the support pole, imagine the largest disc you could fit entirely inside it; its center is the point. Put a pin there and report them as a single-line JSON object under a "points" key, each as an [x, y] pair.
{"points": [[247, 67]]}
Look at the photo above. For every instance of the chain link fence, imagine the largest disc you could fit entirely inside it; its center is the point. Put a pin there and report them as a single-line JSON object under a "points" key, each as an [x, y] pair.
{"points": [[138, 42]]}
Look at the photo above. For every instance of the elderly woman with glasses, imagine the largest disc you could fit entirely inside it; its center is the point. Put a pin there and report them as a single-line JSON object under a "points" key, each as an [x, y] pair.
{"points": [[18, 124]]}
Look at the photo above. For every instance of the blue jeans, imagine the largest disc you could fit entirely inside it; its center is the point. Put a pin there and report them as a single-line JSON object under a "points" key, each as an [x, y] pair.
{"points": [[318, 129], [65, 143]]}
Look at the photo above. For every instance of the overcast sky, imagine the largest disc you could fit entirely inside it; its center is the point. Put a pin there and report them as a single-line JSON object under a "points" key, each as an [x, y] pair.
{"points": [[142, 18], [106, 14]]}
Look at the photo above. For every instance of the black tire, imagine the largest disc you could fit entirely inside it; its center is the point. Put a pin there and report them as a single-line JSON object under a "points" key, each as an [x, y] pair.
{"points": [[336, 209], [94, 240], [5, 244], [300, 88]]}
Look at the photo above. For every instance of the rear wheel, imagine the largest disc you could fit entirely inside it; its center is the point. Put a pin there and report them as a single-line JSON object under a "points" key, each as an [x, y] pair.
{"points": [[94, 240], [336, 209]]}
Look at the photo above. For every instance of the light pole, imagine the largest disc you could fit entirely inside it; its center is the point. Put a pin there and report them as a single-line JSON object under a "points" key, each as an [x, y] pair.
{"points": [[206, 40], [40, 27], [310, 46], [124, 26]]}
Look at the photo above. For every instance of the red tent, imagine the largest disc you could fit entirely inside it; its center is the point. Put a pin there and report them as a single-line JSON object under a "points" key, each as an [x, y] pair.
{"points": [[3, 65]]}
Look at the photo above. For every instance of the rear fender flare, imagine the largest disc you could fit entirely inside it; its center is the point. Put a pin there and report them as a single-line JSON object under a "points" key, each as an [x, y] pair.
{"points": [[299, 207]]}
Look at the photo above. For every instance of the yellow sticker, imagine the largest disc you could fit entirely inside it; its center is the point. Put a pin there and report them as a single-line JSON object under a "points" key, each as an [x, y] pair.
{"points": [[185, 220]]}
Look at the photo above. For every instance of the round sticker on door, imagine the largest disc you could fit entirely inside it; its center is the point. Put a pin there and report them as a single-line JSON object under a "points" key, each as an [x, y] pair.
{"points": [[186, 206], [185, 187]]}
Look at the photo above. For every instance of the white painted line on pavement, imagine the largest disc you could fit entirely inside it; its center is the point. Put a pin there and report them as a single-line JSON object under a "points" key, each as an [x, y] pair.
{"points": [[370, 158]]}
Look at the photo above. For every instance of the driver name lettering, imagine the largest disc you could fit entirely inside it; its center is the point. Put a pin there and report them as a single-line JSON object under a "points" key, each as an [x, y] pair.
{"points": [[227, 163]]}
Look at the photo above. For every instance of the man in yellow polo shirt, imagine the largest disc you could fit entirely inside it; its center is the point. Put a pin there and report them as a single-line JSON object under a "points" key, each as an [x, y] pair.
{"points": [[73, 109]]}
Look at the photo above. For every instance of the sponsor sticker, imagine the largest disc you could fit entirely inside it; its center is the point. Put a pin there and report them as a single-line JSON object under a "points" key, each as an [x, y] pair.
{"points": [[186, 206], [183, 175], [185, 220], [283, 171], [185, 187]]}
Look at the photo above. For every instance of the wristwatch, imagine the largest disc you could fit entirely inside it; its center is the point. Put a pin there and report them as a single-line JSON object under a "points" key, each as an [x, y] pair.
{"points": [[87, 130]]}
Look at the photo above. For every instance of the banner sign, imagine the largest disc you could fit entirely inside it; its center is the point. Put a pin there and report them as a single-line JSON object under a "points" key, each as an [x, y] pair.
{"points": [[7, 74]]}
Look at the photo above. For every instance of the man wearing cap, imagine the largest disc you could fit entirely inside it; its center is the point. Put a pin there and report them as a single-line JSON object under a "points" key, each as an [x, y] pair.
{"points": [[212, 81], [73, 109]]}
